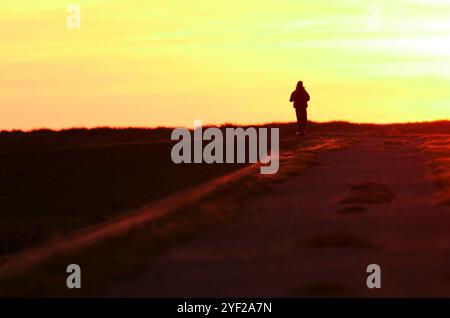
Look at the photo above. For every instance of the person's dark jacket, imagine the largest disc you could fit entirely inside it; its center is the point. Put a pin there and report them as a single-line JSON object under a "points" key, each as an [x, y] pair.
{"points": [[300, 97]]}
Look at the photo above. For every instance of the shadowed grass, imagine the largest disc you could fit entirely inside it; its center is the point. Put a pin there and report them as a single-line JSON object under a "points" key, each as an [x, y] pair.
{"points": [[62, 190], [390, 144], [354, 209], [337, 239], [22, 236], [438, 148], [127, 255], [369, 193], [396, 142]]}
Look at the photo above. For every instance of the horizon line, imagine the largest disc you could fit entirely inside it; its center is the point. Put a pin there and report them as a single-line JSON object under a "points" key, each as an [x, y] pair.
{"points": [[227, 124]]}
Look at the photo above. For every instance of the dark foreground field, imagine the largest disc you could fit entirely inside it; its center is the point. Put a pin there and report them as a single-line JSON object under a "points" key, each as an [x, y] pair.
{"points": [[352, 193], [53, 182]]}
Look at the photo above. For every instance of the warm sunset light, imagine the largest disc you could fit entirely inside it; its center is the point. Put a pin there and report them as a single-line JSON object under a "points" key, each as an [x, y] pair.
{"points": [[224, 156], [167, 63]]}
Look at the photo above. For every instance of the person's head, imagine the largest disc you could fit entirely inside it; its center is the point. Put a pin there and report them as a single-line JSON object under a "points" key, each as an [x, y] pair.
{"points": [[300, 85]]}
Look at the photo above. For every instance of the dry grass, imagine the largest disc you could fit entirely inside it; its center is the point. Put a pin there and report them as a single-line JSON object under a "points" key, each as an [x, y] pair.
{"points": [[438, 148], [353, 209], [62, 190], [130, 254], [13, 238], [391, 144], [337, 239], [369, 193], [56, 182]]}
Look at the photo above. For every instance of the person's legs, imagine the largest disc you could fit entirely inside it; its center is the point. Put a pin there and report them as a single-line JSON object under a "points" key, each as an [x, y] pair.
{"points": [[304, 119], [298, 113]]}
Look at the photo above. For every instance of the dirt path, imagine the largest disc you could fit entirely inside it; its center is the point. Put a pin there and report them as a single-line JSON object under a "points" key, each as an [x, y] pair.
{"points": [[315, 234]]}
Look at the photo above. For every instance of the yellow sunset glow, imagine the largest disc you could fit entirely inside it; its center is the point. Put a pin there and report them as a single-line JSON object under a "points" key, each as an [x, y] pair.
{"points": [[155, 63]]}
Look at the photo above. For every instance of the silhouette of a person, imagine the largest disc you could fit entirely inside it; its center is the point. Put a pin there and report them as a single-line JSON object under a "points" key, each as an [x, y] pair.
{"points": [[300, 97]]}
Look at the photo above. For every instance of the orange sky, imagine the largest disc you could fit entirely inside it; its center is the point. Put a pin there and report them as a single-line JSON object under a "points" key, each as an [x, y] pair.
{"points": [[150, 63]]}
